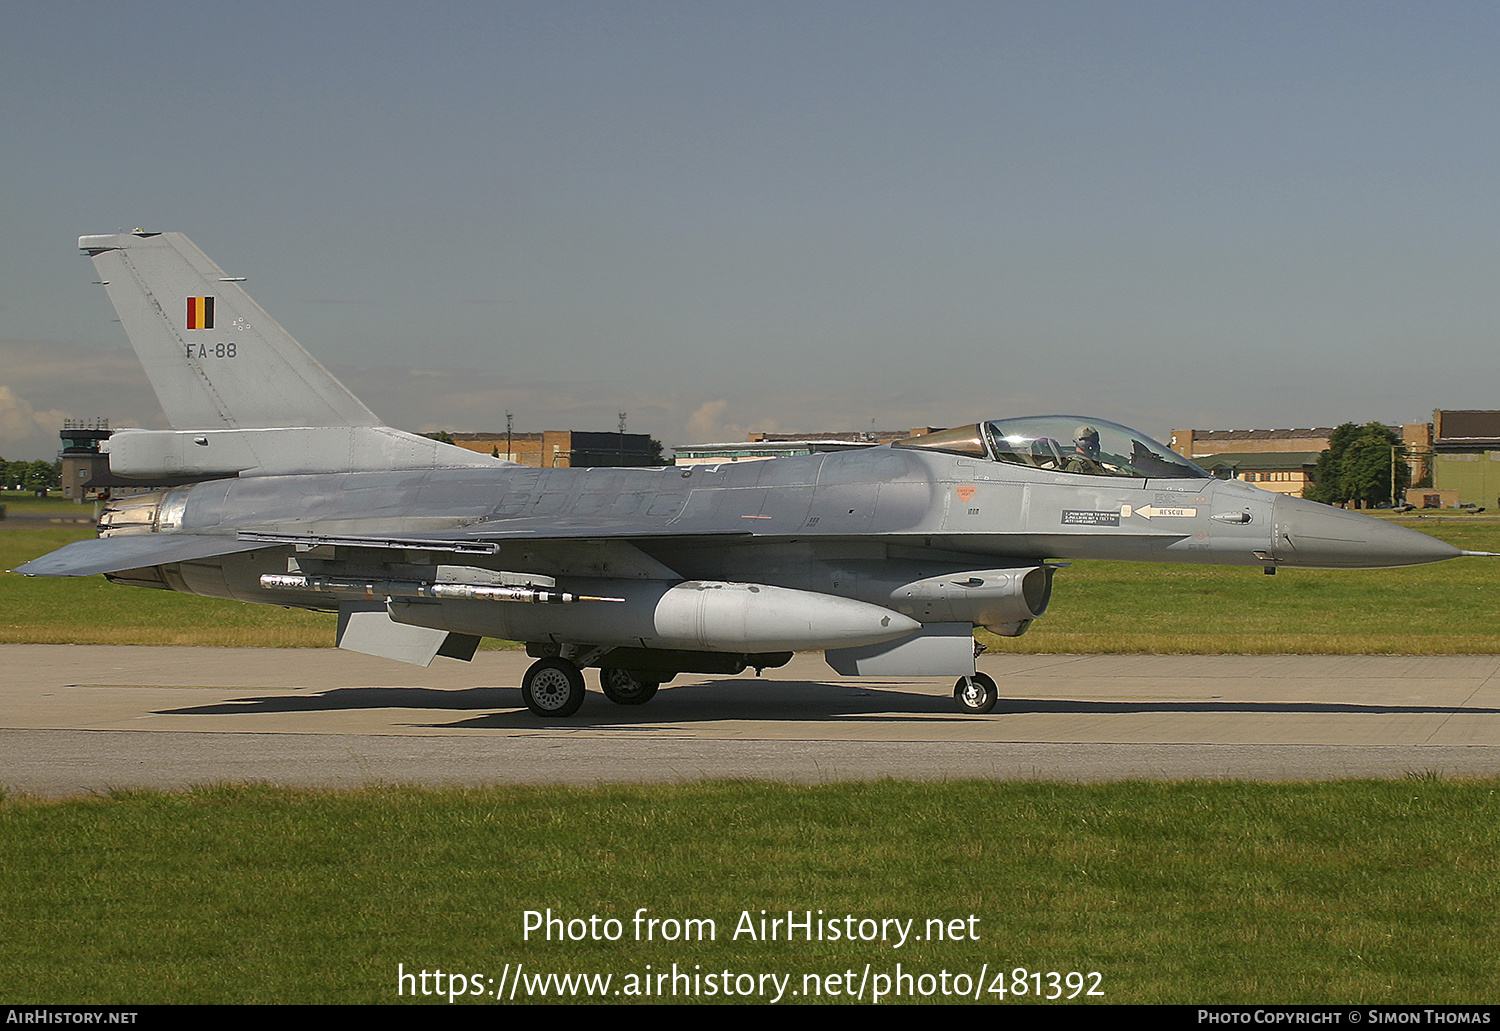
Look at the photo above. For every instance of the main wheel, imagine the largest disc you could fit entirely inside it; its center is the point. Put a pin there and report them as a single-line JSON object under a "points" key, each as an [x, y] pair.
{"points": [[976, 694], [552, 687], [626, 687]]}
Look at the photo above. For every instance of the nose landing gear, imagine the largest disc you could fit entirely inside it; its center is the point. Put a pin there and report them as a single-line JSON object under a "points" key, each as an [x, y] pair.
{"points": [[976, 694]]}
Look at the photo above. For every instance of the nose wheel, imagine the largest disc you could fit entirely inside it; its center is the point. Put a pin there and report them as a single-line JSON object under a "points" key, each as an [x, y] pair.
{"points": [[552, 687], [976, 694]]}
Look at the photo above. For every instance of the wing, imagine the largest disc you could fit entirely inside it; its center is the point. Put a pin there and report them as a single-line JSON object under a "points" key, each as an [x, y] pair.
{"points": [[112, 554]]}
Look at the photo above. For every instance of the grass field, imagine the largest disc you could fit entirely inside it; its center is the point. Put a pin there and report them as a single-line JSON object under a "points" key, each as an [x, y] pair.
{"points": [[1189, 893], [1447, 608]]}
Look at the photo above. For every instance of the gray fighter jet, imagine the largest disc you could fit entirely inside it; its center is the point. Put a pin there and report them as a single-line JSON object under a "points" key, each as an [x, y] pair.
{"points": [[293, 493]]}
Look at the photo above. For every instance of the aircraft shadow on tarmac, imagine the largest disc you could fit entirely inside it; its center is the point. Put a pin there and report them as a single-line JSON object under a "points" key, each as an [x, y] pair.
{"points": [[688, 703], [760, 700]]}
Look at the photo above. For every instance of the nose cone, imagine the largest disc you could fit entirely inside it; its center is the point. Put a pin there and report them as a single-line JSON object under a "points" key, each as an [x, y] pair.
{"points": [[1310, 534]]}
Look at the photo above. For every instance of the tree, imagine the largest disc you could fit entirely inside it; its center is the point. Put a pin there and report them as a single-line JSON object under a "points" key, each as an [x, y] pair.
{"points": [[41, 476], [1357, 466], [15, 475]]}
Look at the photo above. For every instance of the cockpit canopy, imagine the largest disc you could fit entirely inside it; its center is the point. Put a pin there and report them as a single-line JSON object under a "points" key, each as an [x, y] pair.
{"points": [[1064, 443]]}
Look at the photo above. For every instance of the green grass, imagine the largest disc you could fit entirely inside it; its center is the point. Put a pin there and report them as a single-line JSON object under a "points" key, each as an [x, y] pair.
{"points": [[26, 503], [1356, 892]]}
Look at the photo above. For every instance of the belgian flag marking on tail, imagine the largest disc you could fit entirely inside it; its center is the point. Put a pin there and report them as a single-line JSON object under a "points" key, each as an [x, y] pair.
{"points": [[200, 313]]}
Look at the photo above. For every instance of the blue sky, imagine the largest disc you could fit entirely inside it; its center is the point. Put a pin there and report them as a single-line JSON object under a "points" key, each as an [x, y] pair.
{"points": [[798, 216]]}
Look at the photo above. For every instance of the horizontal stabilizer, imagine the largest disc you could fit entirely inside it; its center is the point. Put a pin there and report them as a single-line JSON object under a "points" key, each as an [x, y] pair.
{"points": [[112, 554]]}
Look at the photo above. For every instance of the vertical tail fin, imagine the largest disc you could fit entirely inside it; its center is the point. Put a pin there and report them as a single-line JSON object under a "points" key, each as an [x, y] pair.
{"points": [[215, 359]]}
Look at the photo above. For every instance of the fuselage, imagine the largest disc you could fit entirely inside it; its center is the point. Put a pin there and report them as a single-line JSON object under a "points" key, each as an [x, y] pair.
{"points": [[810, 523]]}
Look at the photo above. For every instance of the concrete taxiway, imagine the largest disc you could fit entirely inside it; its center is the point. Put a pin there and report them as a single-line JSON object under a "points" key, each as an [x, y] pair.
{"points": [[79, 719]]}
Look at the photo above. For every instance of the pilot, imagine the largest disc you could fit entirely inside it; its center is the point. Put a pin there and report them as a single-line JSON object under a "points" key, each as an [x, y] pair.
{"points": [[1085, 455], [1087, 458], [1086, 440]]}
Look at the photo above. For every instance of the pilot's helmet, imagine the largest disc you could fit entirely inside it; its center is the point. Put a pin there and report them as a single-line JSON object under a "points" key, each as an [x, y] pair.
{"points": [[1086, 438]]}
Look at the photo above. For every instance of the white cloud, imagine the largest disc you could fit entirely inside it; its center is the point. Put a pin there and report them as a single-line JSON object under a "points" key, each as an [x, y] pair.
{"points": [[707, 423], [25, 432], [41, 384]]}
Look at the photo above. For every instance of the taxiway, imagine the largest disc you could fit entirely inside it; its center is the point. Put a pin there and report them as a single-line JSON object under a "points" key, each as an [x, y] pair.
{"points": [[79, 719]]}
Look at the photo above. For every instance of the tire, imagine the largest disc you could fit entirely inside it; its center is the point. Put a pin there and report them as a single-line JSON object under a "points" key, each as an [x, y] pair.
{"points": [[626, 687], [976, 694], [552, 688]]}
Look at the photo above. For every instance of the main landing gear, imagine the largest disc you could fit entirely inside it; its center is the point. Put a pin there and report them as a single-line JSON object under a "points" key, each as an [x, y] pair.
{"points": [[976, 694], [554, 687], [627, 687]]}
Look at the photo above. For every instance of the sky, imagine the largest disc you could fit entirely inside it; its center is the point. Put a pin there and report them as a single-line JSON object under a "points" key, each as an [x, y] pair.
{"points": [[720, 217]]}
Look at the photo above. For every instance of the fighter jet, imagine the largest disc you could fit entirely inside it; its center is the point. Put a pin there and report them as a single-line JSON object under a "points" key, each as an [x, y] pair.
{"points": [[291, 492]]}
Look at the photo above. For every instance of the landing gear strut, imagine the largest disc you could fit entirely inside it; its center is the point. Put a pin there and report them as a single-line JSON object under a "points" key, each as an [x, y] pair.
{"points": [[976, 694], [553, 687]]}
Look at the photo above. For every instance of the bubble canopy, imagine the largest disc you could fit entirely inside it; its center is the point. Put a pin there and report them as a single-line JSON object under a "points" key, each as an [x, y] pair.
{"points": [[1064, 443]]}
